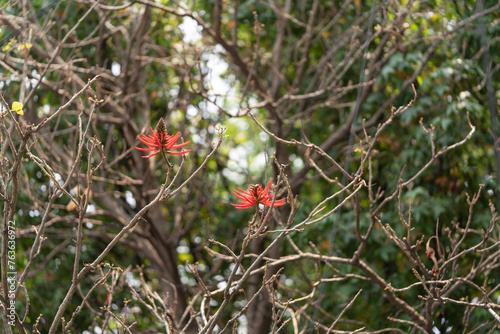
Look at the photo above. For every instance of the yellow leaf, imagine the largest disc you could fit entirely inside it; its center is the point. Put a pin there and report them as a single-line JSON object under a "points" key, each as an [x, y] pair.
{"points": [[24, 46], [7, 47], [18, 107], [71, 206]]}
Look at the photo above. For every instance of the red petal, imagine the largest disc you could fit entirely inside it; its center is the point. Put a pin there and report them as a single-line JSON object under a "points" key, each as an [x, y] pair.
{"points": [[241, 206], [279, 202], [171, 141], [245, 192], [178, 153], [146, 149], [155, 137], [147, 141], [266, 198], [179, 145], [266, 191], [151, 155], [244, 198]]}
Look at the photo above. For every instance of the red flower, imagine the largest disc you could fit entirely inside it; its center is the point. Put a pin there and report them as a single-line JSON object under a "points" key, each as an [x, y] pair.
{"points": [[256, 195], [160, 141]]}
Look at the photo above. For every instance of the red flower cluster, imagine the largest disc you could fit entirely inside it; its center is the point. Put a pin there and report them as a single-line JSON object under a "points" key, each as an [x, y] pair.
{"points": [[256, 195], [160, 141]]}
